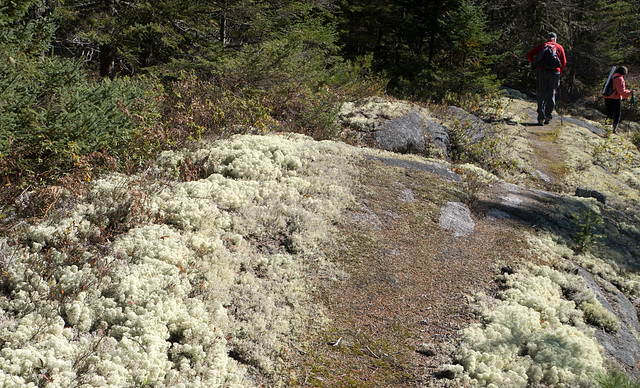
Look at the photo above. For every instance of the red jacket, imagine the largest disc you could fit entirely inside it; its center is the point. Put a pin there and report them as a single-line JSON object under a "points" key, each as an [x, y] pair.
{"points": [[619, 88], [559, 50]]}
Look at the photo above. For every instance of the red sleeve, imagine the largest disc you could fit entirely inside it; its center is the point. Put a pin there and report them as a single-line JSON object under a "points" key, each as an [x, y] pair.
{"points": [[621, 87], [562, 57]]}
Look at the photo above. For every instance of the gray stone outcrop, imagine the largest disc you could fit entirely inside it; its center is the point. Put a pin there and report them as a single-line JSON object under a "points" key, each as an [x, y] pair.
{"points": [[405, 134], [473, 126], [623, 345], [397, 126], [456, 218]]}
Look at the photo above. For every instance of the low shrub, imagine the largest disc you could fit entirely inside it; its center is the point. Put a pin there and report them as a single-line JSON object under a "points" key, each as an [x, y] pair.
{"points": [[198, 108], [617, 379], [487, 153], [53, 120], [588, 231], [635, 139]]}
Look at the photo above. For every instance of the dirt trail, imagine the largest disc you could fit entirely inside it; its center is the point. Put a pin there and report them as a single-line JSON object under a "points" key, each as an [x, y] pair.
{"points": [[548, 159], [409, 294], [410, 283]]}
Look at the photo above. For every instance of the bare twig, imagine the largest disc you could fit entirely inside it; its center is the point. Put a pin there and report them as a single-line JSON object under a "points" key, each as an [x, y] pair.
{"points": [[372, 353]]}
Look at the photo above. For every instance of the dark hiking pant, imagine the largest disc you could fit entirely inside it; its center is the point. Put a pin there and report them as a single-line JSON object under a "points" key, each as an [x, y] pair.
{"points": [[614, 110], [548, 82]]}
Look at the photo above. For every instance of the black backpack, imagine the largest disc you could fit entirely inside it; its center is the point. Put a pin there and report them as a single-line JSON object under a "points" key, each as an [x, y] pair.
{"points": [[547, 59], [607, 90]]}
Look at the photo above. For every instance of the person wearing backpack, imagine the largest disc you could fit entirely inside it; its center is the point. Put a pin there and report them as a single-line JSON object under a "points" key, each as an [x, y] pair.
{"points": [[549, 60], [613, 101]]}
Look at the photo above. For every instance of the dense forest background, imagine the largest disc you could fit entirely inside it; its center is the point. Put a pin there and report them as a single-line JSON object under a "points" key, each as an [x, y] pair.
{"points": [[89, 84]]}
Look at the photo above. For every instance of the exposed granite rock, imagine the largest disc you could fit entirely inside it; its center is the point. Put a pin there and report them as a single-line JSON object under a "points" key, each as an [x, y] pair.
{"points": [[456, 217], [405, 135], [398, 126], [586, 193], [623, 345]]}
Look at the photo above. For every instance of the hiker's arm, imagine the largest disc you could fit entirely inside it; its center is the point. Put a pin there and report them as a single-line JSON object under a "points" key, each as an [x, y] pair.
{"points": [[621, 87], [563, 59]]}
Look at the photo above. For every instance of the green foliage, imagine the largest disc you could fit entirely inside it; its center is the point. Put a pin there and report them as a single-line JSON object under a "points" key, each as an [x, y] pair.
{"points": [[293, 82], [51, 116], [165, 37], [426, 50], [21, 34], [612, 155], [132, 35], [466, 56], [303, 53], [195, 108], [587, 231], [487, 152], [55, 121], [617, 379], [473, 183]]}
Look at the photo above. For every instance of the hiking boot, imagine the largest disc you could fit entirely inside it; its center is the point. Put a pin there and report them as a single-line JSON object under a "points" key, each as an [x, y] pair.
{"points": [[546, 121], [540, 121]]}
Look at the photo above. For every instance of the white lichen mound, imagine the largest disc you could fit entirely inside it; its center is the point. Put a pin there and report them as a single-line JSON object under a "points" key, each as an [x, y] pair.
{"points": [[199, 282], [532, 336], [366, 114]]}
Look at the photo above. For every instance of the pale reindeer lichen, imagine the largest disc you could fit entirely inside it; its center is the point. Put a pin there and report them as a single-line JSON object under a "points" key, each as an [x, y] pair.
{"points": [[183, 296]]}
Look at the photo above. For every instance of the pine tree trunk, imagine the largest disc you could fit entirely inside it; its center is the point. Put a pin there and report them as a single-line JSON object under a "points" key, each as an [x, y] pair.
{"points": [[106, 60]]}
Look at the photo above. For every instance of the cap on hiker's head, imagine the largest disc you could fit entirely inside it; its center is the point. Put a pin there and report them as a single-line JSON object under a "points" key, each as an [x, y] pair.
{"points": [[552, 35]]}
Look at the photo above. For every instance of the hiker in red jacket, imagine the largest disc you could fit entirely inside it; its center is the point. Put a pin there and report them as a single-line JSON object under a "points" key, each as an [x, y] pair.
{"points": [[613, 102], [548, 77]]}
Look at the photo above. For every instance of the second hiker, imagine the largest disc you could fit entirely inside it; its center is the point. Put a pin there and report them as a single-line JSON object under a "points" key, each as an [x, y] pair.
{"points": [[549, 60], [613, 102]]}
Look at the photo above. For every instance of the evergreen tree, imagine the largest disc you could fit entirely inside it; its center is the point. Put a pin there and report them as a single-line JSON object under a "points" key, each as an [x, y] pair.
{"points": [[128, 36], [470, 70], [26, 28], [50, 115], [23, 40], [425, 47], [173, 35]]}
